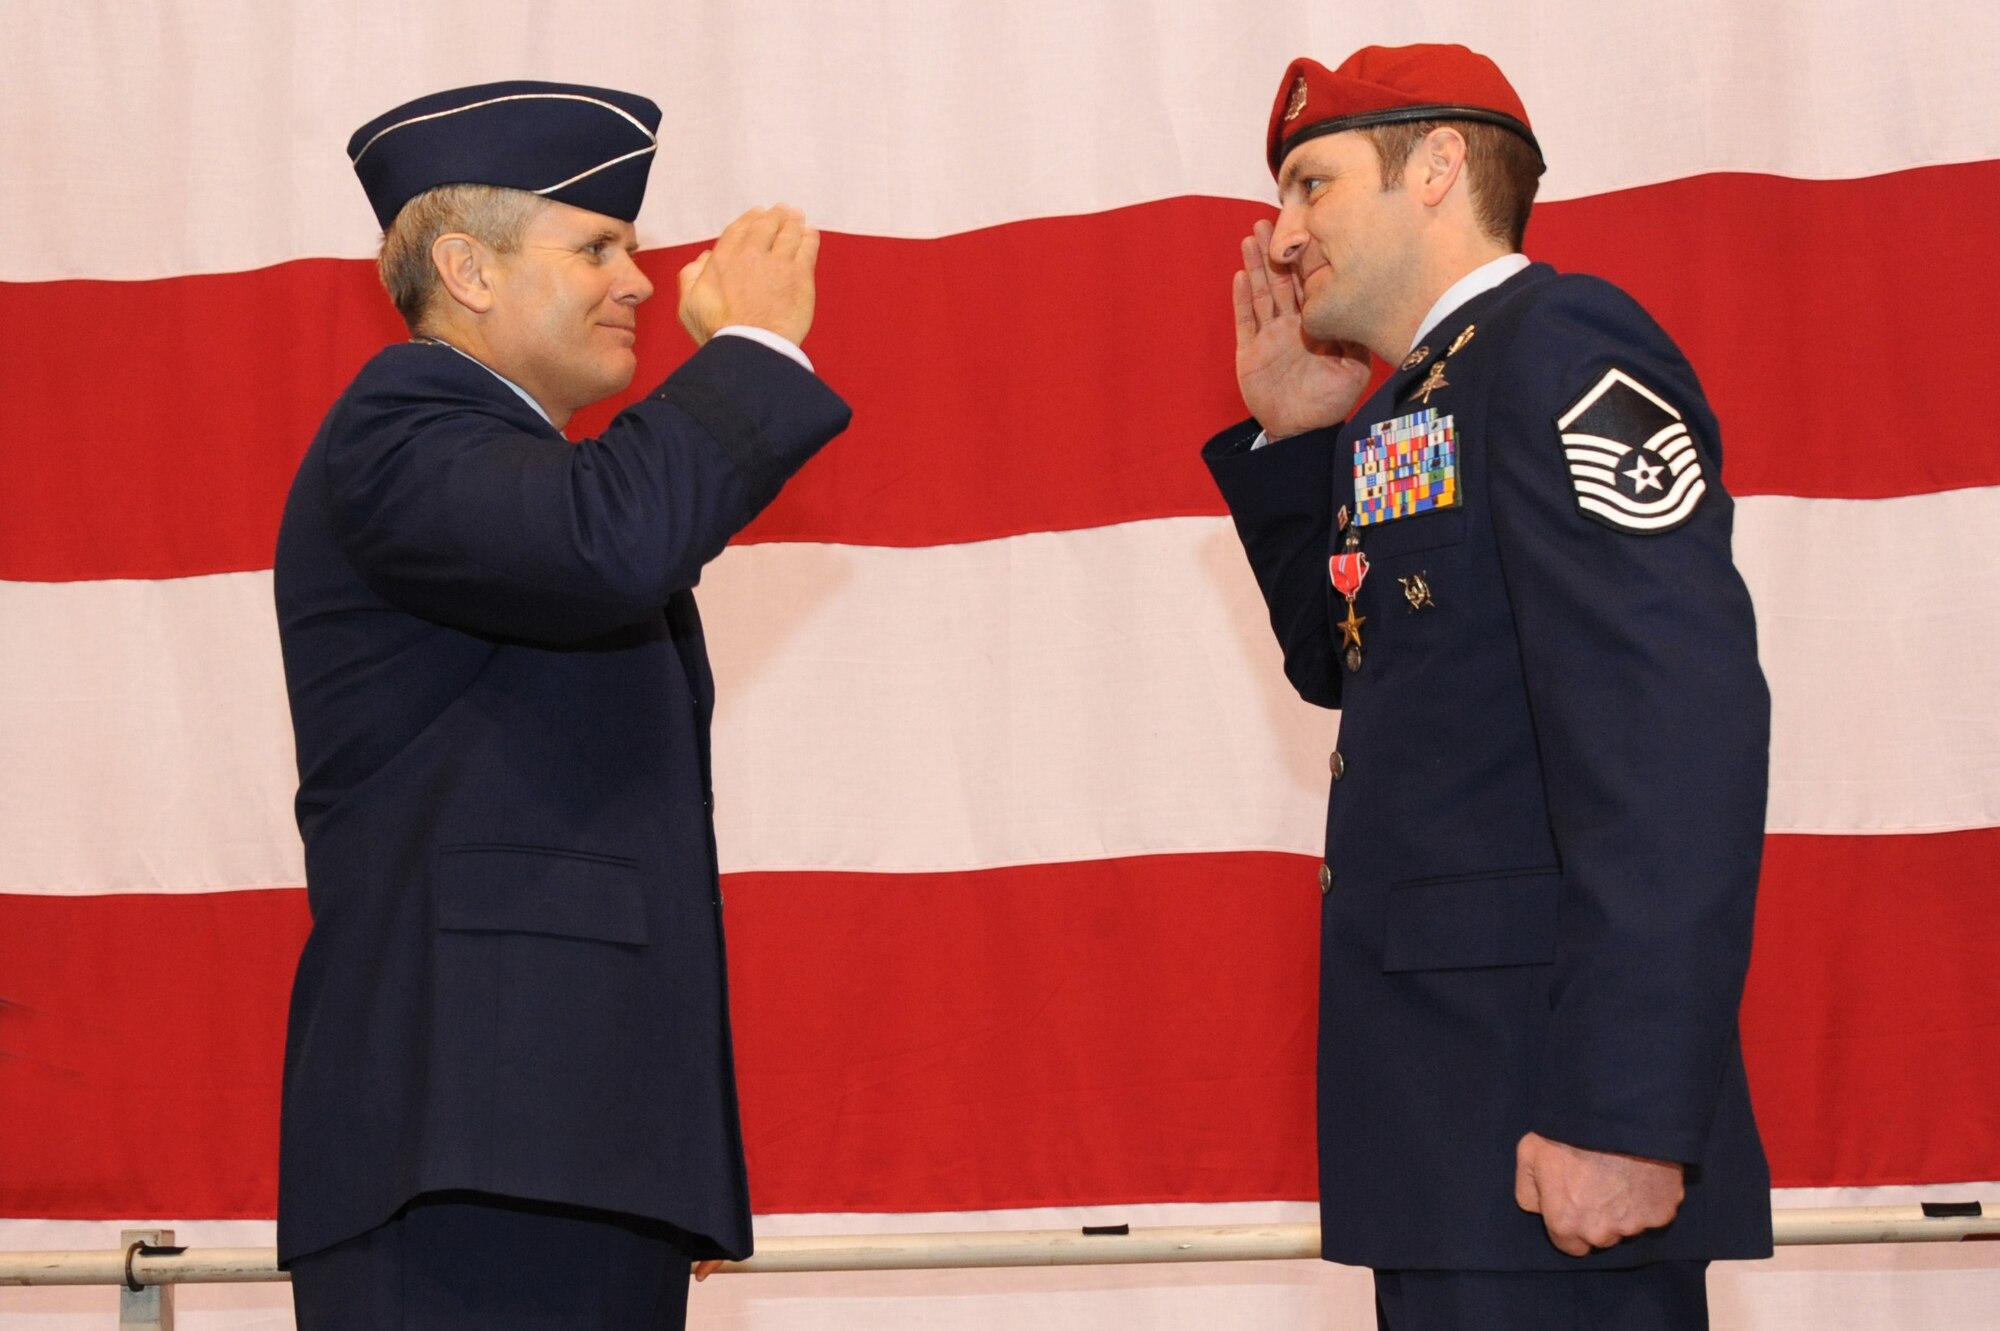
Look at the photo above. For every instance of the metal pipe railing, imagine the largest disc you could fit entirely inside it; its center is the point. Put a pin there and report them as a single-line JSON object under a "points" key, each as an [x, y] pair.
{"points": [[154, 1261]]}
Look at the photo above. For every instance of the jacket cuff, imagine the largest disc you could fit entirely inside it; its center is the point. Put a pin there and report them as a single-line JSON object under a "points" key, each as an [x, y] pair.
{"points": [[767, 412]]}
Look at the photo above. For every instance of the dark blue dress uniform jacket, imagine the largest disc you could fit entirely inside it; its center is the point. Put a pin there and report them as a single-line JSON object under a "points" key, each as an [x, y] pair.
{"points": [[1542, 856], [514, 980]]}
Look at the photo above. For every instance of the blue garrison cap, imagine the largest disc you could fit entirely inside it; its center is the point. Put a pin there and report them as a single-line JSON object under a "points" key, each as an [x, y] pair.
{"points": [[587, 147]]}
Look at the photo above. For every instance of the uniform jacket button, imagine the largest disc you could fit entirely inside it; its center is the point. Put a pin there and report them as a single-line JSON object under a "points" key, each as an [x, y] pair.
{"points": [[1325, 879], [1336, 764]]}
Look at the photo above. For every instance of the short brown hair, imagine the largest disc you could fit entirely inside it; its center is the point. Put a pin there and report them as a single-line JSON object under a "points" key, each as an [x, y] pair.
{"points": [[488, 213], [1501, 167]]}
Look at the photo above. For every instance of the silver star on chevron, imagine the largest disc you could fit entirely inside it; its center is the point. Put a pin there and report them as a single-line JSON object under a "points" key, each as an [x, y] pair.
{"points": [[1645, 475]]}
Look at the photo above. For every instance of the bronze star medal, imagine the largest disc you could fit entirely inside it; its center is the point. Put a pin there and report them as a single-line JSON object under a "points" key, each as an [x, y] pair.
{"points": [[1348, 569], [1350, 635]]}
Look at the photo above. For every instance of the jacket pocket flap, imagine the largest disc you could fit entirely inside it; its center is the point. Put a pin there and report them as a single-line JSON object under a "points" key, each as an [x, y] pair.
{"points": [[507, 889], [1413, 532], [1501, 920]]}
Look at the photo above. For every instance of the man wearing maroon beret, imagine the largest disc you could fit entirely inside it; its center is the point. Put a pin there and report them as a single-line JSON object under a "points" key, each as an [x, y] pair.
{"points": [[1510, 570]]}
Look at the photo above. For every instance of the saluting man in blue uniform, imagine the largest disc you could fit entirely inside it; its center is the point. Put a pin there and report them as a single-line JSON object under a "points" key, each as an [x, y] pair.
{"points": [[1510, 570], [508, 1097]]}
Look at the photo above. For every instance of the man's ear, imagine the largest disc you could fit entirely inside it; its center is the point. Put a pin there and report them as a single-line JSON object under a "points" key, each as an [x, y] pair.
{"points": [[463, 264], [1440, 161]]}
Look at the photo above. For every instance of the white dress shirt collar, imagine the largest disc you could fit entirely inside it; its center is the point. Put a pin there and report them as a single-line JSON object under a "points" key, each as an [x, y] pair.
{"points": [[525, 397], [1481, 279]]}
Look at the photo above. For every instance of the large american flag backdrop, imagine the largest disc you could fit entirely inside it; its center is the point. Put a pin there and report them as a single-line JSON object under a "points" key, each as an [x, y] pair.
{"points": [[1018, 819]]}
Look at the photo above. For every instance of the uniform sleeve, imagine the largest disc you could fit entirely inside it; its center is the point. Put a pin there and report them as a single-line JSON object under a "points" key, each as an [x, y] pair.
{"points": [[1280, 497], [461, 517], [1639, 650]]}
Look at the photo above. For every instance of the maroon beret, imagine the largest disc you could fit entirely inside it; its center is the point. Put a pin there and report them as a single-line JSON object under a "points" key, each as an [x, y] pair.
{"points": [[1386, 85]]}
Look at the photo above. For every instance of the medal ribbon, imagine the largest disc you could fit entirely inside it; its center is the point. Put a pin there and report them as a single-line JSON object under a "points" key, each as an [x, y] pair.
{"points": [[1348, 569]]}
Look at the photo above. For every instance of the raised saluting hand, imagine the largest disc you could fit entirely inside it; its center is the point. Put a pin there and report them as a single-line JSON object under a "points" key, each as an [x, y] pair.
{"points": [[759, 273], [1291, 383]]}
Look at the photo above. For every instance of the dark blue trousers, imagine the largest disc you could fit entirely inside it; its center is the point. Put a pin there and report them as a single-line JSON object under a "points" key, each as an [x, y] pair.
{"points": [[474, 1262], [1663, 1296]]}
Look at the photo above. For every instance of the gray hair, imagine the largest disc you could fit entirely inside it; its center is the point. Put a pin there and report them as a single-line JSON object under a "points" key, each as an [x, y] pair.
{"points": [[488, 213]]}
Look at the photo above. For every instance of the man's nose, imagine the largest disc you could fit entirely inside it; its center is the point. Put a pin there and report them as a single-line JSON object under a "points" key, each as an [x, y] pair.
{"points": [[633, 285], [1288, 236]]}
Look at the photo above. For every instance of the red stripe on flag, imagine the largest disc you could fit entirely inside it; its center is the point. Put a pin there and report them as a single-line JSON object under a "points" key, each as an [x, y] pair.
{"points": [[1121, 1030], [1110, 1031], [1816, 312], [1053, 1035], [1043, 375], [141, 1043], [157, 424], [1871, 1022]]}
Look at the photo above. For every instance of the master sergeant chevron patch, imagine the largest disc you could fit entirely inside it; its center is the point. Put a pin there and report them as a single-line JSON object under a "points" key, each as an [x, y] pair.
{"points": [[1630, 458]]}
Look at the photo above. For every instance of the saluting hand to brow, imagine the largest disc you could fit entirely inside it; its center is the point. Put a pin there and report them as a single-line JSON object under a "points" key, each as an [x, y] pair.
{"points": [[759, 273], [1291, 383]]}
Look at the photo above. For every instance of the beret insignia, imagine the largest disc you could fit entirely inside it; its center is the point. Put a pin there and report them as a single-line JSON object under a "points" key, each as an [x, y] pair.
{"points": [[1631, 460], [1298, 99]]}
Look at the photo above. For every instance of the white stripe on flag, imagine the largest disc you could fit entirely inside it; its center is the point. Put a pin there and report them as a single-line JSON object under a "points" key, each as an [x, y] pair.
{"points": [[225, 151], [149, 741], [1043, 698], [1880, 633], [1052, 697]]}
